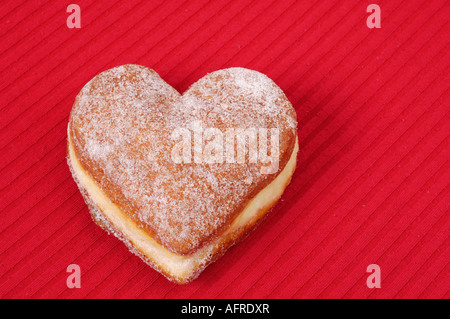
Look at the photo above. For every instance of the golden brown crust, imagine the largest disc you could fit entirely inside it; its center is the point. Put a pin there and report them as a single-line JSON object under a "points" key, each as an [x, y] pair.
{"points": [[122, 113]]}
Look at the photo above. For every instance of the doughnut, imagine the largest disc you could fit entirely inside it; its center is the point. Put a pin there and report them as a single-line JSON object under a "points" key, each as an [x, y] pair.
{"points": [[180, 178]]}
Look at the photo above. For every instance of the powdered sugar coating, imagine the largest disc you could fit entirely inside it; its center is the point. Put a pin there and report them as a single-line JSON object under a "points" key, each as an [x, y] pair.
{"points": [[122, 122]]}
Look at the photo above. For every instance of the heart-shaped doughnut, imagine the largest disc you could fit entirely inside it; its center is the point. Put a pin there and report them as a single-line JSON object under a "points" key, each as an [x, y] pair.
{"points": [[180, 178]]}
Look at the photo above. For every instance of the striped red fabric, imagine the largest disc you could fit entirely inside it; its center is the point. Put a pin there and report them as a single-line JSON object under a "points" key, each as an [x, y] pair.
{"points": [[372, 183]]}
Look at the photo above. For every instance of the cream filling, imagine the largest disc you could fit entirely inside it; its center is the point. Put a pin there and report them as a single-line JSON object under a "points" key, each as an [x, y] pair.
{"points": [[180, 266]]}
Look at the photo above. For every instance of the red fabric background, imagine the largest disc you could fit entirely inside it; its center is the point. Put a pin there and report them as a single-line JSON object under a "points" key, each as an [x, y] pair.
{"points": [[372, 184]]}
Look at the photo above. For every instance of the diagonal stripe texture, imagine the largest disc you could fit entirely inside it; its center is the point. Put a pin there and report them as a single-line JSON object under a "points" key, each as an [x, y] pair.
{"points": [[372, 183]]}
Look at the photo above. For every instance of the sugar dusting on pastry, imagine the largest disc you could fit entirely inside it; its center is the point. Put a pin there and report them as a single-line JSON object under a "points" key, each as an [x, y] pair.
{"points": [[122, 122]]}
